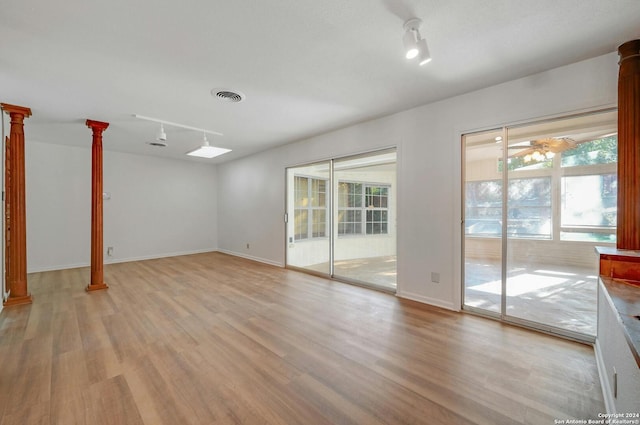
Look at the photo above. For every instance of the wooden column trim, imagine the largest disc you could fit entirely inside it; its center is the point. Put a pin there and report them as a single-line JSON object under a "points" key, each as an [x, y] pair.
{"points": [[97, 259], [628, 232], [16, 236]]}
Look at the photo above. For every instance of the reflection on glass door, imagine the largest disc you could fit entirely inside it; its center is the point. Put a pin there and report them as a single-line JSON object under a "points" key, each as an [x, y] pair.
{"points": [[309, 194], [558, 203], [342, 219]]}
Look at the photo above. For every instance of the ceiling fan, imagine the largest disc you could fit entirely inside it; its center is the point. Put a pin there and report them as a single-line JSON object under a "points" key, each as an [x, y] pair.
{"points": [[542, 149]]}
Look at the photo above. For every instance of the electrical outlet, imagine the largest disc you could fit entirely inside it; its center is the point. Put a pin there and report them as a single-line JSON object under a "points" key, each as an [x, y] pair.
{"points": [[109, 251], [435, 277]]}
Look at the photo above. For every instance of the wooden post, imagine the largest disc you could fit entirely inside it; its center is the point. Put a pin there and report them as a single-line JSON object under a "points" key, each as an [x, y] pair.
{"points": [[16, 228], [97, 260], [628, 233]]}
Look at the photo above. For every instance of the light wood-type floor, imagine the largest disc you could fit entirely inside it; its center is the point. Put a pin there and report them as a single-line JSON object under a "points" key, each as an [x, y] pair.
{"points": [[215, 339]]}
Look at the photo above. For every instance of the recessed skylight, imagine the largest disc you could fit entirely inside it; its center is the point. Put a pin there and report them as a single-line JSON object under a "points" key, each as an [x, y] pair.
{"points": [[208, 152]]}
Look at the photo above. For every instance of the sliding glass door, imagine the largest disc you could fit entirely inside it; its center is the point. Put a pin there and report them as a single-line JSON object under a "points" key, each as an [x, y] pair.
{"points": [[483, 218], [341, 219], [364, 217], [308, 230], [538, 198]]}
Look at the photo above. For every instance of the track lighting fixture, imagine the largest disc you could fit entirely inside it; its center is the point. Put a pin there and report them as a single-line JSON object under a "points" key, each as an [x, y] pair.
{"points": [[204, 151], [414, 44], [161, 136]]}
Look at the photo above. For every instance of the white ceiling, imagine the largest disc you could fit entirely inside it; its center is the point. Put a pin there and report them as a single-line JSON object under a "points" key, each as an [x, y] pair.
{"points": [[305, 66]]}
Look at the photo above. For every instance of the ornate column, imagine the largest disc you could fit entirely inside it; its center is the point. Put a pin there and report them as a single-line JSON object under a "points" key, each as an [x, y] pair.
{"points": [[97, 259], [16, 228], [628, 233]]}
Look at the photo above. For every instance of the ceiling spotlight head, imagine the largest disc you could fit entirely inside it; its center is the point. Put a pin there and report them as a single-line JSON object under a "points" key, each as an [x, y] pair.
{"points": [[423, 51], [162, 136], [412, 24], [410, 44], [411, 38]]}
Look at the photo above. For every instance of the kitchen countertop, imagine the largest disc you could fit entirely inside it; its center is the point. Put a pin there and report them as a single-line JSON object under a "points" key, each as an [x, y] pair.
{"points": [[625, 296]]}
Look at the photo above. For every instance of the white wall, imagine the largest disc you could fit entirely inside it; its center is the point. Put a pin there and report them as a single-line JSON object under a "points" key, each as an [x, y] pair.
{"points": [[158, 207], [251, 190]]}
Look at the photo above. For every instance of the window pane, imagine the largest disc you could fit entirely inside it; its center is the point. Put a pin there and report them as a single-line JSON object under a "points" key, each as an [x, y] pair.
{"points": [[529, 212], [301, 224], [356, 190], [483, 215], [376, 196], [319, 223], [376, 222], [318, 192], [588, 237], [301, 190], [383, 202], [519, 163], [349, 195], [589, 201], [349, 222], [599, 151]]}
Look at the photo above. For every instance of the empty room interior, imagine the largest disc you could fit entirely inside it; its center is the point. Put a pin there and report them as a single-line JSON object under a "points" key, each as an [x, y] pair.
{"points": [[320, 212]]}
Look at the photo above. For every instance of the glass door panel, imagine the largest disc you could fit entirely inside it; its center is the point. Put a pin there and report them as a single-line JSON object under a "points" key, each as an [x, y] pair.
{"points": [[533, 214], [482, 218], [308, 206], [365, 219], [561, 203]]}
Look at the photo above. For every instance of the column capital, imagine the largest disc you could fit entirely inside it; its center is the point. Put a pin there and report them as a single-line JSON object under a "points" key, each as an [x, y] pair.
{"points": [[14, 109], [97, 126], [629, 49]]}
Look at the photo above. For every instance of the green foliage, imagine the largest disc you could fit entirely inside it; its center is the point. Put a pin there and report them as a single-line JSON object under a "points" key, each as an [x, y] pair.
{"points": [[599, 151]]}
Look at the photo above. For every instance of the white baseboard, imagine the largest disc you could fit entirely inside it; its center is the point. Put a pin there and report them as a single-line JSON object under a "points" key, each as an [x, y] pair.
{"points": [[426, 300], [120, 260], [250, 257], [56, 267], [607, 394]]}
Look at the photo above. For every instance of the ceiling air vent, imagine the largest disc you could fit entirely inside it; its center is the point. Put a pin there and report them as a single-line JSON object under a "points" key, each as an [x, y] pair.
{"points": [[227, 95]]}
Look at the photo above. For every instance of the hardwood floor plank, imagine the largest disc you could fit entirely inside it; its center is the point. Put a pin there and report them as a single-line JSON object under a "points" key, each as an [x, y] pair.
{"points": [[38, 414], [69, 377], [214, 339], [155, 397]]}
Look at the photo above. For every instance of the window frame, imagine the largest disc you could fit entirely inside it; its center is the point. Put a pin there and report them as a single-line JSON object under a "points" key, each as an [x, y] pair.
{"points": [[556, 173], [364, 222], [310, 209]]}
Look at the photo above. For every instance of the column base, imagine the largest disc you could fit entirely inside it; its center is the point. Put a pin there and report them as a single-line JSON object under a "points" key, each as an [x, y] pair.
{"points": [[25, 299], [97, 287]]}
